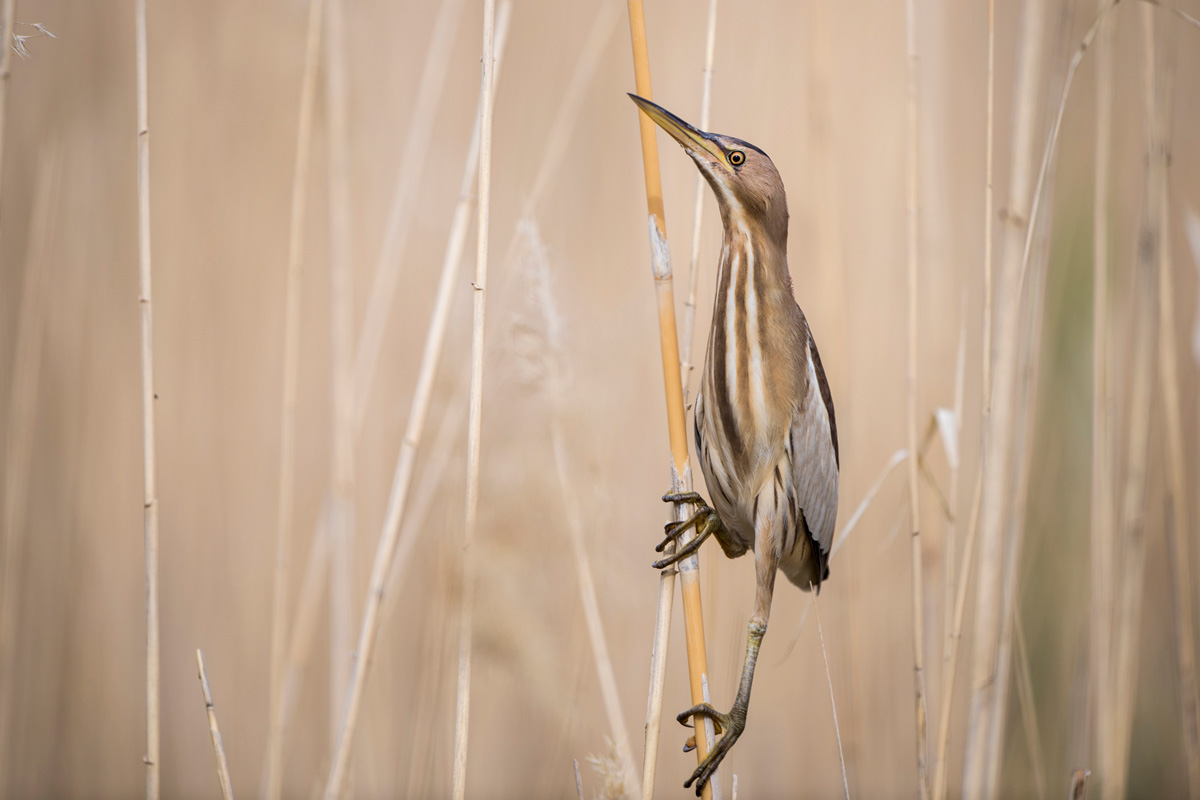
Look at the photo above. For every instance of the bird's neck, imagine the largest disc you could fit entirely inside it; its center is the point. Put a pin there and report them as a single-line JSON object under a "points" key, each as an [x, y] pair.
{"points": [[753, 368]]}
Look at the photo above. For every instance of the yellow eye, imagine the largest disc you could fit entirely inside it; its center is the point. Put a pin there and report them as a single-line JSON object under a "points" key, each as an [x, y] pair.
{"points": [[737, 158]]}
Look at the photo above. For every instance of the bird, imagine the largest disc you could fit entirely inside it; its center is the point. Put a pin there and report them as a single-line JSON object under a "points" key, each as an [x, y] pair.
{"points": [[765, 428]]}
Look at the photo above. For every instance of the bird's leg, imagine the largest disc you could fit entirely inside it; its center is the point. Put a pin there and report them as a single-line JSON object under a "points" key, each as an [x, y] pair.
{"points": [[766, 564]]}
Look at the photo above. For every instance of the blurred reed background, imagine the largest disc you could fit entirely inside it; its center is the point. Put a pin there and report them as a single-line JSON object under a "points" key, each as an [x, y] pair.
{"points": [[573, 418]]}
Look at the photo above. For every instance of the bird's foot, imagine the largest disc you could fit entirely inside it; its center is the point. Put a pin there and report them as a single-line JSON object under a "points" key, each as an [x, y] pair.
{"points": [[733, 723], [705, 521]]}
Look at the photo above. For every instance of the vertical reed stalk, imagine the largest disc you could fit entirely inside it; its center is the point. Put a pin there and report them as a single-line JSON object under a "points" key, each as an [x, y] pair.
{"points": [[273, 773], [462, 713], [537, 274], [8, 17], [914, 485], [960, 603], [689, 306], [400, 215], [681, 473], [1157, 93], [366, 354], [402, 478], [1127, 624], [1102, 550], [1017, 390], [149, 483], [214, 731], [999, 423], [341, 312]]}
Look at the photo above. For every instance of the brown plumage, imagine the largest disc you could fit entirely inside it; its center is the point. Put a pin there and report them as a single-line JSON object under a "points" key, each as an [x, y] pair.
{"points": [[766, 434]]}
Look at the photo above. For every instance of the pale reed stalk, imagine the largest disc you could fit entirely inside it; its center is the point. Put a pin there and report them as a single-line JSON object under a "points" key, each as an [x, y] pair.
{"points": [[1157, 95], [400, 212], [912, 208], [537, 274], [999, 422], [960, 603], [341, 311], [462, 712], [149, 482], [214, 731], [8, 16], [1103, 698], [1130, 586], [689, 305], [989, 700], [1033, 742], [386, 549], [273, 767]]}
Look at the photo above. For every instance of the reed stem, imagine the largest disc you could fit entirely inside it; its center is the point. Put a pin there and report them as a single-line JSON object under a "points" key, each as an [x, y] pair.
{"points": [[273, 773], [462, 714], [914, 485], [422, 394], [149, 482], [214, 731], [681, 473]]}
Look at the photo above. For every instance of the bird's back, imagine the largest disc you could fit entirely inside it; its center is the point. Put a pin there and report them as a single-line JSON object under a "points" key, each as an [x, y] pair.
{"points": [[783, 459]]}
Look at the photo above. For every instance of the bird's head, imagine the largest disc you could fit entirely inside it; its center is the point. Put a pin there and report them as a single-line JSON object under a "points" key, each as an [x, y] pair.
{"points": [[742, 176]]}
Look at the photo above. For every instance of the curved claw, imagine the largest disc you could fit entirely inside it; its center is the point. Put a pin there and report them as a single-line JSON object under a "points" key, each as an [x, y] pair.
{"points": [[709, 765], [683, 497]]}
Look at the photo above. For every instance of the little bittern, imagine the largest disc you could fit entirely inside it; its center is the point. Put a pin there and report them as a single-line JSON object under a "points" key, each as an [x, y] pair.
{"points": [[766, 435]]}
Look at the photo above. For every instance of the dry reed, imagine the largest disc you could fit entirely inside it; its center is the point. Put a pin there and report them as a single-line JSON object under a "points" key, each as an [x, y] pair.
{"points": [[689, 305], [1033, 743], [214, 731], [400, 213], [1158, 81], [8, 14], [832, 703], [1079, 780], [1127, 622], [273, 767], [341, 530], [979, 754], [149, 484], [681, 473], [912, 215], [551, 323], [386, 549], [1102, 553], [462, 711]]}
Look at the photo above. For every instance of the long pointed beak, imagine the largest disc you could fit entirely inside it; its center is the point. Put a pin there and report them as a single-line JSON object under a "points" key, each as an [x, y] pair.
{"points": [[692, 138]]}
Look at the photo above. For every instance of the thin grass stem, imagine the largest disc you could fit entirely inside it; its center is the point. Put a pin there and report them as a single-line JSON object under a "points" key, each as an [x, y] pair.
{"points": [[832, 703], [914, 492], [149, 481], [400, 213], [214, 731], [273, 771], [689, 305], [422, 394], [462, 714]]}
